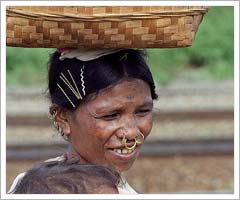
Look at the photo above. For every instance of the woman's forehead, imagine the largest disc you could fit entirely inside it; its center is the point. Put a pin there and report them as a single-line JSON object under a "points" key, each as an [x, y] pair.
{"points": [[126, 87], [134, 91]]}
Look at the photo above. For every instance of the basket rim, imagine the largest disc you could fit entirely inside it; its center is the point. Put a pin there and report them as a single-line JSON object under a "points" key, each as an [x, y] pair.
{"points": [[111, 17]]}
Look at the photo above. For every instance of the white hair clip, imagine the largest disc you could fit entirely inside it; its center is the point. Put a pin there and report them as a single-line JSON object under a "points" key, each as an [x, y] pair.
{"points": [[83, 87], [73, 87]]}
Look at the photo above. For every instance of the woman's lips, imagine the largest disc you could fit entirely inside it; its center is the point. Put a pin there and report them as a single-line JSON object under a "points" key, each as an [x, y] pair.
{"points": [[124, 157]]}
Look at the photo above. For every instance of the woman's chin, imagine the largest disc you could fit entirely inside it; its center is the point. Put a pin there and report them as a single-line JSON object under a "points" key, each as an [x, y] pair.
{"points": [[121, 162], [123, 167]]}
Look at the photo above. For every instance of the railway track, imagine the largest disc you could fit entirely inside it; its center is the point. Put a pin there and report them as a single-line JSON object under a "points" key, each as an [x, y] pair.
{"points": [[198, 105], [159, 148], [191, 147]]}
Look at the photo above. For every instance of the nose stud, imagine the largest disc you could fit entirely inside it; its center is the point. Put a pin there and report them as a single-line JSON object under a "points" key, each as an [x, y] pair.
{"points": [[137, 140]]}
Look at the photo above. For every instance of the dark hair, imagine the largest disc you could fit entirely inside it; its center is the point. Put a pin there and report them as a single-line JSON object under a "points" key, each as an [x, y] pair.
{"points": [[66, 177], [98, 74]]}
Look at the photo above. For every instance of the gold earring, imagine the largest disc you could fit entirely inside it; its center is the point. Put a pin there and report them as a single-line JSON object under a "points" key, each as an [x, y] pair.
{"points": [[55, 125], [60, 130], [65, 137], [141, 139], [124, 143], [52, 115]]}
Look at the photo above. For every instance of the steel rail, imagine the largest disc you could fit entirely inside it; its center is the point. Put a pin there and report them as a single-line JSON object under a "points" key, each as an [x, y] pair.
{"points": [[162, 115], [159, 148]]}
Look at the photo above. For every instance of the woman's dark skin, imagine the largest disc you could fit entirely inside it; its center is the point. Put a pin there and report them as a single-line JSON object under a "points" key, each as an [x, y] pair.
{"points": [[98, 125]]}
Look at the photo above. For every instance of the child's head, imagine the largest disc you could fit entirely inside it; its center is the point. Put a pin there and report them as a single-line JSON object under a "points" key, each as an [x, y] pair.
{"points": [[68, 178]]}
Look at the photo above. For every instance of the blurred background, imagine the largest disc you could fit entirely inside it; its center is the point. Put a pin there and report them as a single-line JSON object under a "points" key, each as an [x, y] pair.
{"points": [[190, 149]]}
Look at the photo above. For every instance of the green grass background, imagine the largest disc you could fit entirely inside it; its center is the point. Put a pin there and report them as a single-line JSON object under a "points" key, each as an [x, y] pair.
{"points": [[210, 57]]}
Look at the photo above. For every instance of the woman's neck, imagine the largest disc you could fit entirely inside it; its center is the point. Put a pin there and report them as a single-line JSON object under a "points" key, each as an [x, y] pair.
{"points": [[72, 154]]}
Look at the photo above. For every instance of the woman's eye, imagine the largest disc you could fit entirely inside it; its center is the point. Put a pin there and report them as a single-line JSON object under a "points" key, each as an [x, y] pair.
{"points": [[144, 112], [110, 117]]}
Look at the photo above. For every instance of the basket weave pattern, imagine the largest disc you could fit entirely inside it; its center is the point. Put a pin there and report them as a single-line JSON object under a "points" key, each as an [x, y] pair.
{"points": [[104, 26]]}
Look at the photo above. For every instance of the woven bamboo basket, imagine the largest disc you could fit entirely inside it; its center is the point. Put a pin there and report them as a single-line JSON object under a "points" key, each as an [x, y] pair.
{"points": [[103, 26]]}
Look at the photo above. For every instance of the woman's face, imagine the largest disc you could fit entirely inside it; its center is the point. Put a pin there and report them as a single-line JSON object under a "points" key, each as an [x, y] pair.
{"points": [[97, 127]]}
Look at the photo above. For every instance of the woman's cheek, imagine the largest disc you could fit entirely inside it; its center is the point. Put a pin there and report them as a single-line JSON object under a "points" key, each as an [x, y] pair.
{"points": [[104, 129], [146, 124]]}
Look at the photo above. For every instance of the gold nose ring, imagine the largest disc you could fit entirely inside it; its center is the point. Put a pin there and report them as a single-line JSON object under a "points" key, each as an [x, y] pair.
{"points": [[124, 143], [141, 140]]}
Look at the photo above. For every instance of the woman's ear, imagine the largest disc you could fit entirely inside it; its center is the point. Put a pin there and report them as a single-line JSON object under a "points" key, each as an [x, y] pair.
{"points": [[63, 118]]}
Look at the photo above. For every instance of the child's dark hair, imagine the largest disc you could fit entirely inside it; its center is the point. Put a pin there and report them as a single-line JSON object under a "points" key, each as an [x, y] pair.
{"points": [[98, 74], [68, 177]]}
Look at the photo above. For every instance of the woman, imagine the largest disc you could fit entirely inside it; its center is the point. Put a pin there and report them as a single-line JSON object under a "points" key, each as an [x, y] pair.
{"points": [[102, 103]]}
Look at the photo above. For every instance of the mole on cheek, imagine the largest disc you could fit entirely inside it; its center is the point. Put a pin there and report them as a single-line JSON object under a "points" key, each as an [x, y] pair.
{"points": [[130, 97]]}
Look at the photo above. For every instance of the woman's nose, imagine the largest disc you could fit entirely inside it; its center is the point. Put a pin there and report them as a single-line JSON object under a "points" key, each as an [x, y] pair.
{"points": [[130, 129], [131, 134]]}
